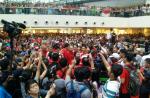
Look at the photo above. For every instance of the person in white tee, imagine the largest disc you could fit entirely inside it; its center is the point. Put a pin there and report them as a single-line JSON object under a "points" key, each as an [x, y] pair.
{"points": [[112, 86]]}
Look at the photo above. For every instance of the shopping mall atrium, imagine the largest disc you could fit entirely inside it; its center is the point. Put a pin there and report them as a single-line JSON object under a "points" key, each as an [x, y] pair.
{"points": [[74, 48]]}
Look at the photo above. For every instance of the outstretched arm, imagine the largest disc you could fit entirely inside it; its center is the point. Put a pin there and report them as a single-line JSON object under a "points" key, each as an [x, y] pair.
{"points": [[44, 72], [107, 66]]}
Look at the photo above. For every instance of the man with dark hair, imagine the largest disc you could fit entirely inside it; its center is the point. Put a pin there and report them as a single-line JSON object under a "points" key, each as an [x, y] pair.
{"points": [[146, 46], [55, 57], [4, 78], [61, 72], [125, 76], [122, 54], [147, 61], [112, 86], [113, 40], [143, 59], [81, 74], [3, 91], [67, 53], [4, 64], [145, 74]]}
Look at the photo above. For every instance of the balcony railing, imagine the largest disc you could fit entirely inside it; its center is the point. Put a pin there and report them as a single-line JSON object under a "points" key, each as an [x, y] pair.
{"points": [[82, 12]]}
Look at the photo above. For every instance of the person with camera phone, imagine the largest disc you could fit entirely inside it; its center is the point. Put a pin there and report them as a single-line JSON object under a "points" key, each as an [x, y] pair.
{"points": [[30, 78], [55, 91]]}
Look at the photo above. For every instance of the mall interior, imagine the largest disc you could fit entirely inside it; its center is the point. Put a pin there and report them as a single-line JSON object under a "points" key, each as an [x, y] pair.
{"points": [[74, 48]]}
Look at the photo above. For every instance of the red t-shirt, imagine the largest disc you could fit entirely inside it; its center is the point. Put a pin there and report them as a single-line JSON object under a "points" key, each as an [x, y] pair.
{"points": [[39, 40], [68, 55], [44, 53], [124, 86], [61, 73], [82, 55]]}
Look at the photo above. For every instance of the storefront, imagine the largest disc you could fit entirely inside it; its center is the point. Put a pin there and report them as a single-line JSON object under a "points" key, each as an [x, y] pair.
{"points": [[118, 31]]}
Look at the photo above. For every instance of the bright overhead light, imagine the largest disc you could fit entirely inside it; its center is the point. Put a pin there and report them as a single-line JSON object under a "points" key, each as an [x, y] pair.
{"points": [[1, 0]]}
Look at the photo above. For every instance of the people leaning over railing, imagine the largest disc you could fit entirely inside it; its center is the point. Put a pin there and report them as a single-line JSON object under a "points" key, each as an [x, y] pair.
{"points": [[48, 8]]}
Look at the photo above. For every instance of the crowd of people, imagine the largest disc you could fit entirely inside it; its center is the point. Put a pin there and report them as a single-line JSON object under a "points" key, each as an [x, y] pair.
{"points": [[74, 66], [25, 4], [132, 11], [81, 9]]}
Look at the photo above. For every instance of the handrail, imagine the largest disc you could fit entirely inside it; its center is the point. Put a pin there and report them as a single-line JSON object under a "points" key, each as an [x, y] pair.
{"points": [[74, 11]]}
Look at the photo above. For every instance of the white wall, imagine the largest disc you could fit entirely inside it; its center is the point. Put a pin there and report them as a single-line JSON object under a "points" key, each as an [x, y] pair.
{"points": [[142, 22], [108, 21], [138, 22], [117, 3]]}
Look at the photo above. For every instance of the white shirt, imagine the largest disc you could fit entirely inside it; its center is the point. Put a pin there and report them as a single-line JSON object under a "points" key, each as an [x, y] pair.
{"points": [[111, 89], [144, 9], [0, 45], [109, 36], [121, 62], [138, 58]]}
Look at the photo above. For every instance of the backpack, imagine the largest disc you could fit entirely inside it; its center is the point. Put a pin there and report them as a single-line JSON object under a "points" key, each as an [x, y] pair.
{"points": [[146, 82], [134, 82], [73, 93]]}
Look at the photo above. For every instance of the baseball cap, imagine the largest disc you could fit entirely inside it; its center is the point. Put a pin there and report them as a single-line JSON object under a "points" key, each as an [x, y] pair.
{"points": [[115, 55]]}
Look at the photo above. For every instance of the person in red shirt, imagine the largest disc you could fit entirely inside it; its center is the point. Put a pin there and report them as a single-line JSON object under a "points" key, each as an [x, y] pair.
{"points": [[124, 86], [125, 76], [54, 49], [62, 71], [144, 73], [84, 54], [67, 53], [44, 50]]}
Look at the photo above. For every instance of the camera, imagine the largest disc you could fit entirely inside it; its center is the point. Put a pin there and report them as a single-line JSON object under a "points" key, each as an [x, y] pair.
{"points": [[85, 61], [13, 29], [52, 71]]}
